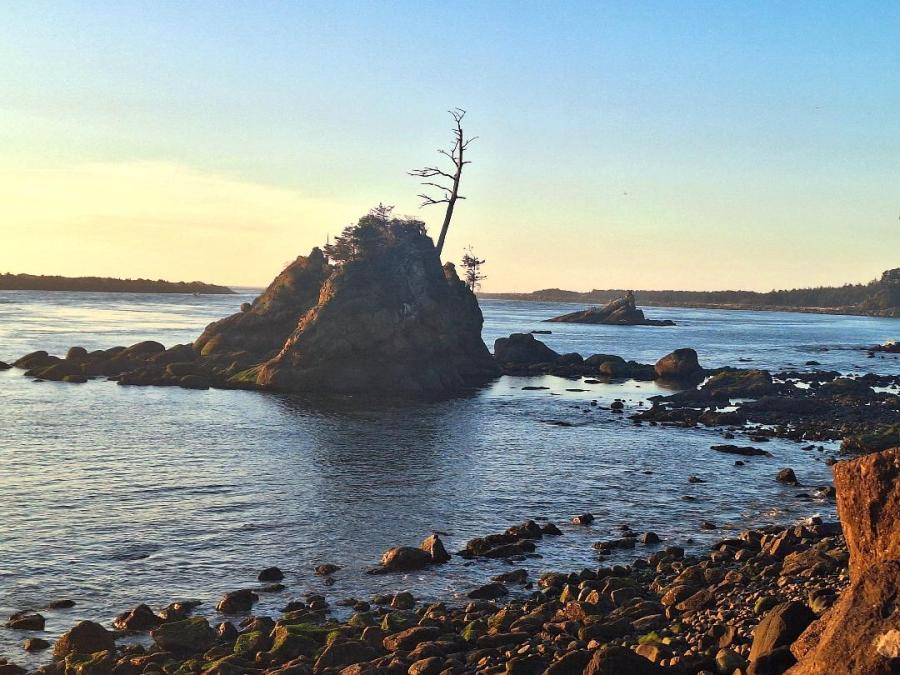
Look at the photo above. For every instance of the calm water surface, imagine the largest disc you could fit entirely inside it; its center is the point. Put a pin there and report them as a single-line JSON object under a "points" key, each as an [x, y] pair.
{"points": [[115, 495]]}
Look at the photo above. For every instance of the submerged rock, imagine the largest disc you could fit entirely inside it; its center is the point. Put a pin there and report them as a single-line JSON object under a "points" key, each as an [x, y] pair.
{"points": [[619, 312], [26, 621], [407, 558], [745, 451]]}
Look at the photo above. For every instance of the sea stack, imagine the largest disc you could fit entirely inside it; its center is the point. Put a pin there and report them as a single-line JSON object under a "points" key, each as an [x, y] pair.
{"points": [[620, 312], [387, 320]]}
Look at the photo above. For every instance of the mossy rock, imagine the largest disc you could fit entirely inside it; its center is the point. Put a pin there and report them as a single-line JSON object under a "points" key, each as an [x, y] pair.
{"points": [[394, 622], [245, 379], [248, 644], [311, 631], [649, 638], [764, 604], [98, 663], [291, 641], [189, 667], [474, 630], [190, 636], [228, 665], [361, 619]]}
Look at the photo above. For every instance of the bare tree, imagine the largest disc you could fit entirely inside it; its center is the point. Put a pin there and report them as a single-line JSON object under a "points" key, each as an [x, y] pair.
{"points": [[472, 265], [448, 195]]}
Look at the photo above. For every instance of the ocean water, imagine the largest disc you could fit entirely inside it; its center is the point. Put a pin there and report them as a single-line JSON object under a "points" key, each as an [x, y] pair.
{"points": [[112, 496]]}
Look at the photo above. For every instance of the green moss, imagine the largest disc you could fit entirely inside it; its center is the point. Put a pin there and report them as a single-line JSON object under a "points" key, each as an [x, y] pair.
{"points": [[649, 638], [311, 631], [361, 619], [474, 630], [248, 644], [245, 378]]}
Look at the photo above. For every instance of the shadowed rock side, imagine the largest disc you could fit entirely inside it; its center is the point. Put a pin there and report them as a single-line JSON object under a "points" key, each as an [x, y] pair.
{"points": [[395, 322], [619, 312], [264, 326]]}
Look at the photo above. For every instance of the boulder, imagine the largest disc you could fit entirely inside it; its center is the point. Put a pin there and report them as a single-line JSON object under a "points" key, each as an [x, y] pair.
{"points": [[190, 636], [270, 574], [682, 364], [616, 660], [326, 570], [405, 559], [434, 547], [76, 353], [779, 628], [237, 601], [85, 637], [139, 618], [409, 639], [26, 621], [522, 349], [35, 645], [490, 591], [38, 359], [787, 476], [343, 653], [868, 501]]}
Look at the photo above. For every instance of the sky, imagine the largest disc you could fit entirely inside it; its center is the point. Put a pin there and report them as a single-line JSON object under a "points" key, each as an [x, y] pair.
{"points": [[646, 145]]}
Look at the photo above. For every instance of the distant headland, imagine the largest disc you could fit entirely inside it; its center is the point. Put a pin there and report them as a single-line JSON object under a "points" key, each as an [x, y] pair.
{"points": [[876, 298], [33, 282]]}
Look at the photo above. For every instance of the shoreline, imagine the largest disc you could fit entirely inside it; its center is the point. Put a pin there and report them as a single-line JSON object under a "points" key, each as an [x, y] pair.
{"points": [[667, 607], [835, 311]]}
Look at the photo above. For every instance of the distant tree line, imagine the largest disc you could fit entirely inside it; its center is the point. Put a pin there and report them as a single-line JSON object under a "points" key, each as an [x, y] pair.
{"points": [[32, 282], [878, 295]]}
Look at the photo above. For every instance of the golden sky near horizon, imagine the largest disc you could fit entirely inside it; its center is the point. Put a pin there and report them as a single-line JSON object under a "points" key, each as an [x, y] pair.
{"points": [[622, 145]]}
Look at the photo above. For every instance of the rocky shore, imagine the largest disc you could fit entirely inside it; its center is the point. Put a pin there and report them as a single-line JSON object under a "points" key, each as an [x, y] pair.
{"points": [[752, 605], [810, 405]]}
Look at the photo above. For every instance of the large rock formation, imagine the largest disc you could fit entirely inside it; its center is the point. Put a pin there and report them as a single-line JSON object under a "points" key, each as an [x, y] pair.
{"points": [[868, 501], [860, 635], [619, 312], [394, 322], [383, 317]]}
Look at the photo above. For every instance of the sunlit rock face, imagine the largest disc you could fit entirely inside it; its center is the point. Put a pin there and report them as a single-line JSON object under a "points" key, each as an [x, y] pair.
{"points": [[262, 328], [395, 322]]}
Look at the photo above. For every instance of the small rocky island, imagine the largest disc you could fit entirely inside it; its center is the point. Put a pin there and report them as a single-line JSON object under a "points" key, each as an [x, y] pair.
{"points": [[34, 282], [620, 312], [375, 313]]}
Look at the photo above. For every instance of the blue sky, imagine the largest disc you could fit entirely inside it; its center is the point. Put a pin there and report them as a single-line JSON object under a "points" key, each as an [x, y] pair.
{"points": [[647, 145]]}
